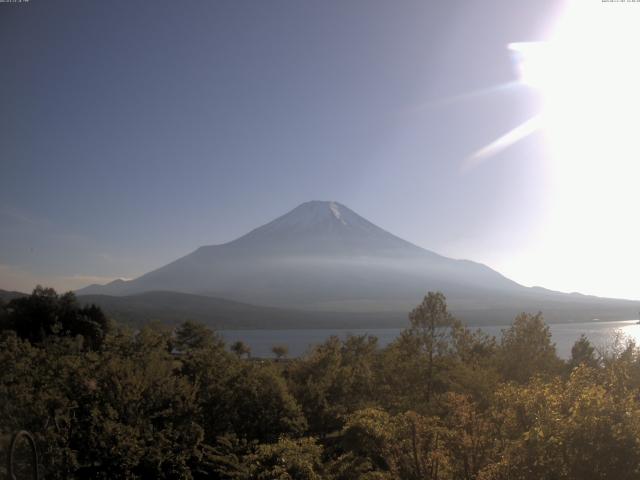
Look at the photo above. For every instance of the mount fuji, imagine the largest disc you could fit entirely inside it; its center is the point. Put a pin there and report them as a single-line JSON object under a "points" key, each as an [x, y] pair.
{"points": [[323, 257]]}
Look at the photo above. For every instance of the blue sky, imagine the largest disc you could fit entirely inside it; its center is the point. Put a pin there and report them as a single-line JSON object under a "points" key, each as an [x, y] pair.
{"points": [[133, 132]]}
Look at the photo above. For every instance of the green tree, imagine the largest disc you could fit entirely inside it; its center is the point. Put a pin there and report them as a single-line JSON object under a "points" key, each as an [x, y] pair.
{"points": [[474, 366], [287, 459], [259, 405], [193, 336], [334, 379], [248, 399], [401, 375], [432, 325], [381, 446], [583, 427], [4, 316], [366, 436], [45, 314], [240, 349], [471, 443], [280, 351], [583, 353], [526, 349], [120, 412]]}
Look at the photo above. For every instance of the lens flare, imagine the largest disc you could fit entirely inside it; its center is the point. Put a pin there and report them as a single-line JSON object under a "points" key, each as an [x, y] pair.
{"points": [[588, 76]]}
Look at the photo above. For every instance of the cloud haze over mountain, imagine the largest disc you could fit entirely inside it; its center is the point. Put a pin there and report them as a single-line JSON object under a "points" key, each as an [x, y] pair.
{"points": [[323, 256]]}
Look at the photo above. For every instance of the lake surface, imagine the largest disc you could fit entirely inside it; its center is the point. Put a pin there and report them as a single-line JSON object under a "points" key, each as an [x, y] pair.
{"points": [[300, 340]]}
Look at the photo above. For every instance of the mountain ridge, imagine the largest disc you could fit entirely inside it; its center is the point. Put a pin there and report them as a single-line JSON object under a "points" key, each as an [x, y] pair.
{"points": [[322, 256]]}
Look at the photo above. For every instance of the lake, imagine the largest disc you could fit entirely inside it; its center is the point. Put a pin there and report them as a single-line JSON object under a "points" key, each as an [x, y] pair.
{"points": [[299, 340]]}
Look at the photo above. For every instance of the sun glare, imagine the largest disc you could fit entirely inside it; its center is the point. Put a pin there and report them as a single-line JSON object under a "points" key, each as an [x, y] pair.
{"points": [[588, 75]]}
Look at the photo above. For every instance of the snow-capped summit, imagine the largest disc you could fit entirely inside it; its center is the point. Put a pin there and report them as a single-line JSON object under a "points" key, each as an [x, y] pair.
{"points": [[321, 228], [335, 209]]}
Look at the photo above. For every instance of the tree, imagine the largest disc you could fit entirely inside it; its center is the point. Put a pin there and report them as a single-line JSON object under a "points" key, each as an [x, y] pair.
{"points": [[35, 317], [280, 351], [193, 336], [368, 433], [4, 316], [471, 442], [432, 325], [401, 375], [123, 411], [287, 459], [382, 446], [333, 380], [46, 314], [526, 349], [583, 353], [582, 428], [253, 402], [240, 348], [474, 369]]}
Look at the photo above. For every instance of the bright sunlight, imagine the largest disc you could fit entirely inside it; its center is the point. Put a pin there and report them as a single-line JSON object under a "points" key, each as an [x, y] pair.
{"points": [[588, 75]]}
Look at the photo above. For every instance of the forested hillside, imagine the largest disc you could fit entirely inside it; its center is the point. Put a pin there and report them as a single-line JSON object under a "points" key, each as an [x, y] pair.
{"points": [[441, 402]]}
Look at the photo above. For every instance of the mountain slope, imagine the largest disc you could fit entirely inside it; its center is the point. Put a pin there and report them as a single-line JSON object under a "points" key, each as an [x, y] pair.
{"points": [[6, 296], [319, 255], [174, 307], [323, 256]]}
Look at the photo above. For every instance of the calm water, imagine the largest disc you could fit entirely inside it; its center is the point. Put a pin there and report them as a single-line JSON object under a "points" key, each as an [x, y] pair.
{"points": [[299, 341]]}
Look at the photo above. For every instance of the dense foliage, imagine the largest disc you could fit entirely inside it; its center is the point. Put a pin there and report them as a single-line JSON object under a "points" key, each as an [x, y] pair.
{"points": [[440, 402]]}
